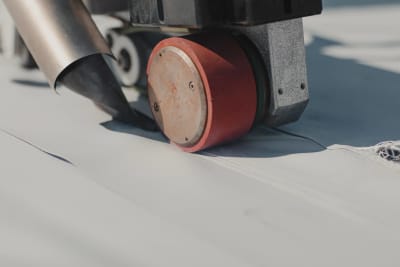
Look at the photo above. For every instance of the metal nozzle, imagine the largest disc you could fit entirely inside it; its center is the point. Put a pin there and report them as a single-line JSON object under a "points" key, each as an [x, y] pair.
{"points": [[69, 49], [91, 77], [57, 33]]}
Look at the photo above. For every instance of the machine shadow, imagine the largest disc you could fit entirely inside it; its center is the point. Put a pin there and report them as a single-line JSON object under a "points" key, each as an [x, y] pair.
{"points": [[261, 142], [32, 83], [140, 104], [341, 3], [120, 127], [351, 104]]}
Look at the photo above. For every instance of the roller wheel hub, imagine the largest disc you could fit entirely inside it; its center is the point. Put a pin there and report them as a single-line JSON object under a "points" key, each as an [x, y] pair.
{"points": [[202, 90]]}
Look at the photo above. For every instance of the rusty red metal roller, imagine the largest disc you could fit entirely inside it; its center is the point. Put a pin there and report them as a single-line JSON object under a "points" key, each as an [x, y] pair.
{"points": [[202, 90]]}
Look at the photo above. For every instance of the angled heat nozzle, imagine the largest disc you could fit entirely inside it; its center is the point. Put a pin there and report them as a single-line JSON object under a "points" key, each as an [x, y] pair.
{"points": [[69, 49]]}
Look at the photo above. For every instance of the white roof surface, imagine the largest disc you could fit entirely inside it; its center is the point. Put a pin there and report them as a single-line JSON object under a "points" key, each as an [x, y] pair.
{"points": [[77, 190]]}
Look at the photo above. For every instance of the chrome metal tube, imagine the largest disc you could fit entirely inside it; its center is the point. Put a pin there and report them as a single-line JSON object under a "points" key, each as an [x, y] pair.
{"points": [[57, 33], [68, 48]]}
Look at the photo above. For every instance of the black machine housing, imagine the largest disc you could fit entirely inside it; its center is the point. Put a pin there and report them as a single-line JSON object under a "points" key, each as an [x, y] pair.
{"points": [[208, 13]]}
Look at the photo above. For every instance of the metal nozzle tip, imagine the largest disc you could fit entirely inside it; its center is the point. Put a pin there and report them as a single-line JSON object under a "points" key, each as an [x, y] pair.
{"points": [[91, 77]]}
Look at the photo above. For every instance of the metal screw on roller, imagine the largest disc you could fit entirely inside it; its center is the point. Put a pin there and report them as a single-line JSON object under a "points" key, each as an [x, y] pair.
{"points": [[156, 107], [222, 101], [191, 85]]}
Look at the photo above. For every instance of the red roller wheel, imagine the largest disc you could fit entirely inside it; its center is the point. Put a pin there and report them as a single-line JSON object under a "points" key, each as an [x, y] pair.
{"points": [[202, 90]]}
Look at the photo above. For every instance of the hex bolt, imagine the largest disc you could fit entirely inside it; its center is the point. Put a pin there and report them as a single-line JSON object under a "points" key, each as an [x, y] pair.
{"points": [[191, 85], [156, 107]]}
